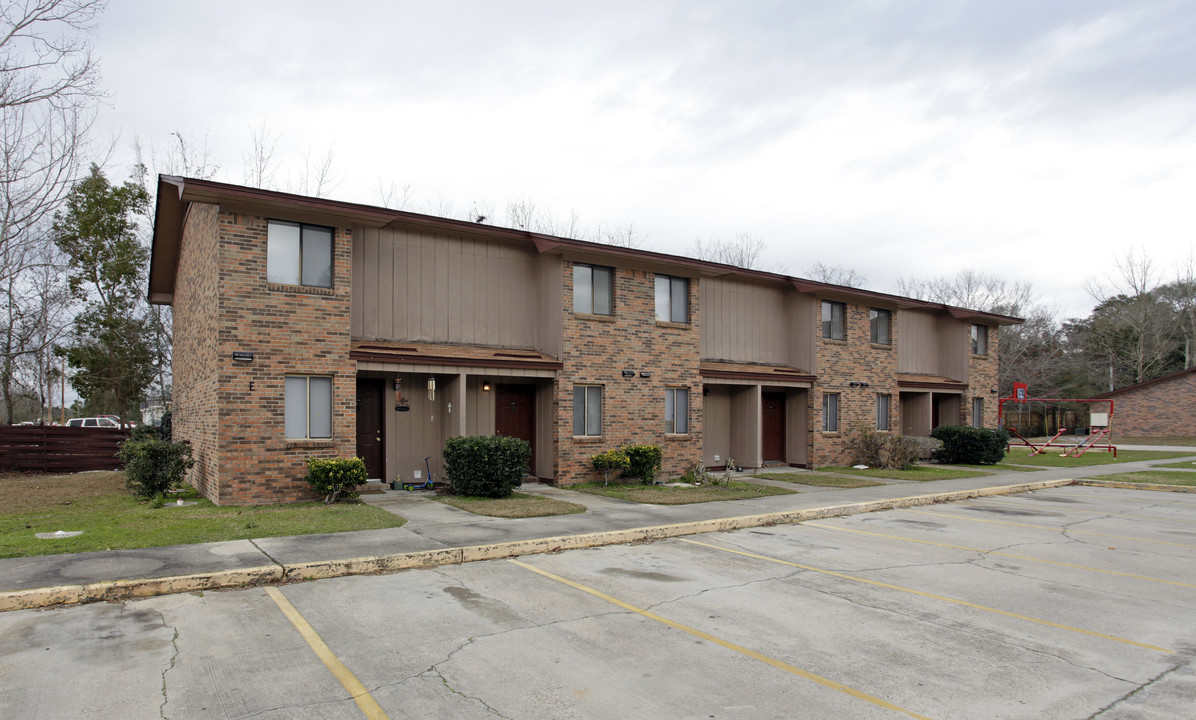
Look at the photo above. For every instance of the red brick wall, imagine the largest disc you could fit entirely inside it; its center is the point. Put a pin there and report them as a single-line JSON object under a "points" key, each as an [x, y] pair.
{"points": [[291, 331], [1164, 409], [840, 362], [195, 373], [982, 379], [596, 349]]}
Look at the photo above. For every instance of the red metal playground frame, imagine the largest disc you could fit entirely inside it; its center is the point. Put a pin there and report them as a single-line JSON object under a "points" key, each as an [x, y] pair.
{"points": [[1098, 431]]}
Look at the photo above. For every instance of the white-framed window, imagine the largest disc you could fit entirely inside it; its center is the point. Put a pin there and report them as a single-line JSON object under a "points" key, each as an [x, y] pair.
{"points": [[977, 412], [672, 299], [880, 326], [883, 402], [830, 412], [308, 400], [593, 289], [834, 326], [298, 254], [587, 410], [676, 410], [979, 339]]}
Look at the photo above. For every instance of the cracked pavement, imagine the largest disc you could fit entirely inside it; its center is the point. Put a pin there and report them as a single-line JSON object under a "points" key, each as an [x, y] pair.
{"points": [[924, 614]]}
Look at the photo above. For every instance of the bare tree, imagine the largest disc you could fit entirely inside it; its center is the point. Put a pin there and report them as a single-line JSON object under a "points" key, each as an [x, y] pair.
{"points": [[618, 235], [743, 251], [45, 54], [1180, 295], [1130, 301], [836, 275], [261, 162], [394, 196], [318, 177]]}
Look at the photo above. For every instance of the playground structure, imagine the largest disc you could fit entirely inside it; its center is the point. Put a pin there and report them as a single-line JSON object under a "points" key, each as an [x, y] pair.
{"points": [[1099, 425]]}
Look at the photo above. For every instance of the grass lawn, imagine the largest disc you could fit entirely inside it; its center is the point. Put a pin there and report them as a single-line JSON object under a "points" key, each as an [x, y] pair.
{"points": [[517, 505], [664, 495], [1157, 477], [920, 473], [1186, 464], [1050, 458], [818, 479], [111, 519]]}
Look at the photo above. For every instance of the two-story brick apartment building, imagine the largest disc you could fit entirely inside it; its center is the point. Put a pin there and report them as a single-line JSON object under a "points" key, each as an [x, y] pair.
{"points": [[305, 326]]}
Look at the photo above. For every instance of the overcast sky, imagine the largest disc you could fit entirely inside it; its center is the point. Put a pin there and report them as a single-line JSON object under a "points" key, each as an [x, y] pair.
{"points": [[1039, 140]]}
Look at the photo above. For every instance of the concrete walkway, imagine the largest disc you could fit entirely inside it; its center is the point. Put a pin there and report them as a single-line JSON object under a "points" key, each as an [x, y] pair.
{"points": [[434, 528]]}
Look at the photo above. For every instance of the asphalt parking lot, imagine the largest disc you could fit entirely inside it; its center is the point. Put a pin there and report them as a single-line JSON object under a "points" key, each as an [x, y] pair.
{"points": [[1076, 602]]}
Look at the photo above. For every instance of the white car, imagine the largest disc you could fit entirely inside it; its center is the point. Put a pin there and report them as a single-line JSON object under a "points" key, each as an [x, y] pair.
{"points": [[103, 422]]}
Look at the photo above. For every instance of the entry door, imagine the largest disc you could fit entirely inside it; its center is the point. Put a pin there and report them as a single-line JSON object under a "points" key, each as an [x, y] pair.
{"points": [[772, 427], [515, 415], [369, 425]]}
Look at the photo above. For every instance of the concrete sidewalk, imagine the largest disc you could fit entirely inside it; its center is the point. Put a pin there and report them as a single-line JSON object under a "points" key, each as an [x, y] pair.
{"points": [[438, 534]]}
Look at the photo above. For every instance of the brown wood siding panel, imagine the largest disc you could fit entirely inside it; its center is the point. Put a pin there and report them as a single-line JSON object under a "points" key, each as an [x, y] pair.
{"points": [[550, 328], [955, 345], [385, 302], [357, 301], [744, 322], [716, 424], [802, 329], [797, 443], [745, 425], [370, 288], [917, 343]]}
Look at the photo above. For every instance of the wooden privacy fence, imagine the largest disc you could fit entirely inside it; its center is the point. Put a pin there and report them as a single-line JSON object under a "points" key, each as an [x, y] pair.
{"points": [[60, 449]]}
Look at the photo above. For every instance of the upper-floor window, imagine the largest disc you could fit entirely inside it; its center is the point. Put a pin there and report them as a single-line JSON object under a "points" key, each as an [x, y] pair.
{"points": [[587, 410], [834, 325], [298, 254], [672, 299], [880, 326], [676, 410], [593, 289], [308, 401], [979, 339]]}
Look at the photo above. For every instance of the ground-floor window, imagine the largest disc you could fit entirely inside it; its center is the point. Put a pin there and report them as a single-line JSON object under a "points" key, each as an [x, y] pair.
{"points": [[308, 401], [978, 412], [587, 410], [830, 412], [882, 411], [676, 410]]}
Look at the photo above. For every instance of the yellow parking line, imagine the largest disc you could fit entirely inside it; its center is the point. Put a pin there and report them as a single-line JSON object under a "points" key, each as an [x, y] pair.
{"points": [[1047, 527], [1002, 554], [779, 664], [369, 707], [932, 596]]}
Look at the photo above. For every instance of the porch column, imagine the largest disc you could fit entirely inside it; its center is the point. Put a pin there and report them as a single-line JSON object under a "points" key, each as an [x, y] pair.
{"points": [[456, 423]]}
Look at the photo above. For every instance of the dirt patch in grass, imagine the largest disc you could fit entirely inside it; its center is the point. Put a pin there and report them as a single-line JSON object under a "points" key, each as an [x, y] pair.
{"points": [[675, 495], [819, 480], [97, 504], [1155, 477], [517, 505], [1051, 458], [920, 473]]}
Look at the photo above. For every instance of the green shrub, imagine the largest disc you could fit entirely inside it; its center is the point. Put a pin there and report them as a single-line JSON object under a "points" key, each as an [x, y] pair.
{"points": [[332, 476], [609, 462], [153, 465], [969, 445], [882, 450], [644, 462], [486, 466]]}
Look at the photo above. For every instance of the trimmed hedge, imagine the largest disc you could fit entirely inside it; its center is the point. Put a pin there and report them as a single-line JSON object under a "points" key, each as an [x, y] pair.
{"points": [[969, 445], [644, 462], [332, 476], [486, 466]]}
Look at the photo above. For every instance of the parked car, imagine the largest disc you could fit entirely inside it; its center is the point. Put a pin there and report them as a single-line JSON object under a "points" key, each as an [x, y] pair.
{"points": [[102, 421]]}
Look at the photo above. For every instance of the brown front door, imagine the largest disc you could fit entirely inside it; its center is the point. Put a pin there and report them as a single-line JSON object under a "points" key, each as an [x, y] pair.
{"points": [[772, 426], [515, 414], [369, 425]]}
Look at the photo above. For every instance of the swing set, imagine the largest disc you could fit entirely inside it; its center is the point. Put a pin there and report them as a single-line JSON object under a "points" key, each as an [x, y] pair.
{"points": [[1099, 433]]}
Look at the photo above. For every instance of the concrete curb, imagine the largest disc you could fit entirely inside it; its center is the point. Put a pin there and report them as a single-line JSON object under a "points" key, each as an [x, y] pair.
{"points": [[299, 572], [1093, 482]]}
